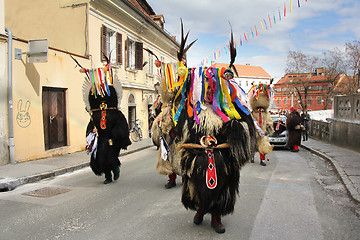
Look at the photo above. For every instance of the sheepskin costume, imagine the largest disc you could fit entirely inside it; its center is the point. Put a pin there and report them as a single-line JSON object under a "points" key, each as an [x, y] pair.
{"points": [[110, 124], [228, 161], [259, 98], [200, 191], [161, 127]]}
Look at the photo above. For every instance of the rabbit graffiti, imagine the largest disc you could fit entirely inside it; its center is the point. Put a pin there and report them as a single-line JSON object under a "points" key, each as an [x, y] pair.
{"points": [[23, 117]]}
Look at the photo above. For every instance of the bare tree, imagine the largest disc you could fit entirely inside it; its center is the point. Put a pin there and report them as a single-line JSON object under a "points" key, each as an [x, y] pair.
{"points": [[300, 66], [353, 63], [334, 71]]}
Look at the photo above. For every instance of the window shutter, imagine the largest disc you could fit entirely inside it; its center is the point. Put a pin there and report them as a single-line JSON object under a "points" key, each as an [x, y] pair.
{"points": [[127, 53], [103, 50], [139, 56], [118, 48]]}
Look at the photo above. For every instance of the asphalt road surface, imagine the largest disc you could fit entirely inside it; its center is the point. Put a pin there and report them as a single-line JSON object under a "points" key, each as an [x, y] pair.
{"points": [[296, 196]]}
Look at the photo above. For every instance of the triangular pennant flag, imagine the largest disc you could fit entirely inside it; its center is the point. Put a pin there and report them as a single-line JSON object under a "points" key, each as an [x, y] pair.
{"points": [[270, 21]]}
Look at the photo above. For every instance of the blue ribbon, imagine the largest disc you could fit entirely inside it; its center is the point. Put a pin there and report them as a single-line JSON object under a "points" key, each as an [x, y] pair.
{"points": [[177, 114]]}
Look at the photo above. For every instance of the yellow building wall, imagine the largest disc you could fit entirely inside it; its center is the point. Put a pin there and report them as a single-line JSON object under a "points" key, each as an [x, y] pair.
{"points": [[120, 72], [68, 28], [28, 80], [59, 21]]}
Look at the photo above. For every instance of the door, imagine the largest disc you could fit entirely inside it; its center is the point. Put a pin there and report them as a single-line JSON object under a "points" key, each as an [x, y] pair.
{"points": [[131, 110], [54, 117]]}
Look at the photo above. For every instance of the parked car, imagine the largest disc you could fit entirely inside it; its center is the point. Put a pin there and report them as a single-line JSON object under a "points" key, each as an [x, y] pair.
{"points": [[281, 136]]}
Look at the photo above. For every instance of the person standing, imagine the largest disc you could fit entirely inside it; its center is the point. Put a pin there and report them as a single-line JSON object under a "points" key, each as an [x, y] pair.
{"points": [[293, 126], [305, 120], [151, 120]]}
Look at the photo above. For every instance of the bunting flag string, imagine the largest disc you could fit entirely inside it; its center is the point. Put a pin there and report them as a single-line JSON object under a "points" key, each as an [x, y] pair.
{"points": [[265, 22]]}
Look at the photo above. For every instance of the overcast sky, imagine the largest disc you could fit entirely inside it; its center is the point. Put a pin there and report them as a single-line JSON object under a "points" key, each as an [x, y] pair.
{"points": [[315, 27]]}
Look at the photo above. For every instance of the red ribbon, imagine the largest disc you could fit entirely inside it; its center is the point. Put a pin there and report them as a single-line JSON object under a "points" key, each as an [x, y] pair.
{"points": [[211, 179], [260, 119], [103, 119]]}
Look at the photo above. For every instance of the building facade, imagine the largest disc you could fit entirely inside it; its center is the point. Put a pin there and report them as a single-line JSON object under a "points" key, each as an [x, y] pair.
{"points": [[320, 90], [248, 75], [49, 113]]}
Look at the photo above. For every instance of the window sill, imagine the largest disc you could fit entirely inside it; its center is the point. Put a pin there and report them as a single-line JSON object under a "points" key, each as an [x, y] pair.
{"points": [[113, 65], [150, 75], [131, 70]]}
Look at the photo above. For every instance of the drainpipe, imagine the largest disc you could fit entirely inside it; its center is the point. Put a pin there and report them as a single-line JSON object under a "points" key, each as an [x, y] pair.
{"points": [[10, 99]]}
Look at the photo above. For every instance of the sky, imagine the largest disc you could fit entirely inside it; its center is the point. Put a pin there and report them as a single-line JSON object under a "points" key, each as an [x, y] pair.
{"points": [[315, 27]]}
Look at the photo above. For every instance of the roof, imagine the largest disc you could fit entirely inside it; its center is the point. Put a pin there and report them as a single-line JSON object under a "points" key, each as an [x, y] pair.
{"points": [[305, 78], [143, 6], [340, 82], [246, 70]]}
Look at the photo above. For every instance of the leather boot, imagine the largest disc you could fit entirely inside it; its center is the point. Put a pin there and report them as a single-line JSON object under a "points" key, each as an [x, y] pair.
{"points": [[199, 217], [108, 178], [171, 180], [216, 224], [116, 172], [262, 159]]}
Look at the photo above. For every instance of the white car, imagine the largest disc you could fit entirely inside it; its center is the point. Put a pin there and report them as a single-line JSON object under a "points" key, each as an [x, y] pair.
{"points": [[281, 136]]}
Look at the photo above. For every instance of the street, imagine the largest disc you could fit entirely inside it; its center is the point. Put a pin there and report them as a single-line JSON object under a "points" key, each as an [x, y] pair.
{"points": [[296, 196]]}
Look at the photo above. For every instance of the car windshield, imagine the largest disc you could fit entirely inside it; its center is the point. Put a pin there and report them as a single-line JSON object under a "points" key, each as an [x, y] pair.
{"points": [[276, 117]]}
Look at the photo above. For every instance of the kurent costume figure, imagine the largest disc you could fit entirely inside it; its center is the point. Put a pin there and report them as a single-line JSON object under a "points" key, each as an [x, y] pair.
{"points": [[168, 162], [259, 97], [211, 137], [293, 125], [162, 137], [107, 131]]}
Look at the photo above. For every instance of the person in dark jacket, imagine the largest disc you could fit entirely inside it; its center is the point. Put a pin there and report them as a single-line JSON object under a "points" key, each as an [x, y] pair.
{"points": [[293, 126], [305, 120]]}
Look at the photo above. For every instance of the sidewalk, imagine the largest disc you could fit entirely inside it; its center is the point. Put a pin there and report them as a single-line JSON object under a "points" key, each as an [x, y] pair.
{"points": [[346, 162], [13, 175]]}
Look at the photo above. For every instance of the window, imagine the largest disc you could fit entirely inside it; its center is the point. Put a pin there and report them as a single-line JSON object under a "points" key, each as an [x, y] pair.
{"points": [[111, 45], [278, 101], [134, 51], [285, 101], [319, 100]]}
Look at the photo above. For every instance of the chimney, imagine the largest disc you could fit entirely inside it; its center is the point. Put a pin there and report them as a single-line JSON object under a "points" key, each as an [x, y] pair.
{"points": [[159, 20], [319, 71]]}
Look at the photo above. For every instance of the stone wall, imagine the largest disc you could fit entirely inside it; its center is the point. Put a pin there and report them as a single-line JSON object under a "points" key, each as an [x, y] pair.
{"points": [[344, 129]]}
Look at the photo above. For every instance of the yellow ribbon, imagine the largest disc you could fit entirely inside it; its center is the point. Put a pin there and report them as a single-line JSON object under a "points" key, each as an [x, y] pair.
{"points": [[228, 98], [182, 79], [98, 82]]}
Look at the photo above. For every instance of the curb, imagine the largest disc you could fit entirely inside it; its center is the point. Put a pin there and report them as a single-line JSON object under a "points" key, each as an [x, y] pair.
{"points": [[9, 184], [343, 176]]}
